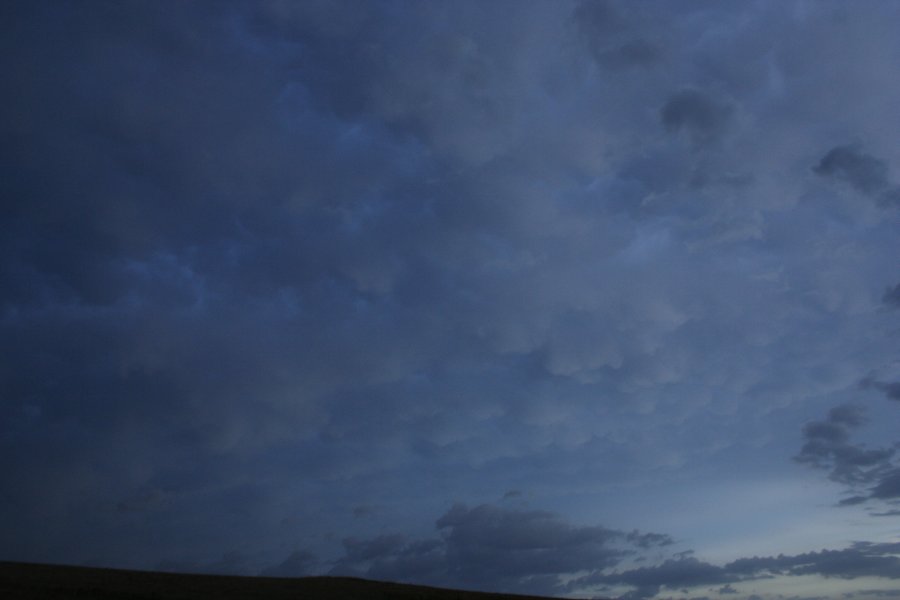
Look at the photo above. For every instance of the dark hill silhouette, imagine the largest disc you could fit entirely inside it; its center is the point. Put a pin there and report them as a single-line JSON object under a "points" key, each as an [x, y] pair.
{"points": [[27, 581]]}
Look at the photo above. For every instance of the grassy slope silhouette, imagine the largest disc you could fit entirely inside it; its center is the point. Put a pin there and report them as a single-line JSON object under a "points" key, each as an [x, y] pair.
{"points": [[26, 581]]}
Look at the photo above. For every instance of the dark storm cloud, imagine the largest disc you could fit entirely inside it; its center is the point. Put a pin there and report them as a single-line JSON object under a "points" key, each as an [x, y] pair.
{"points": [[697, 113], [265, 267], [234, 252], [178, 251], [862, 171], [161, 136], [495, 548]]}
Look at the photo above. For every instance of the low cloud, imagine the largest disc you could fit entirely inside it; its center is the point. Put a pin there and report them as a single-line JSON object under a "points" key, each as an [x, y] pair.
{"points": [[868, 474], [492, 548], [861, 559], [495, 548], [727, 589], [827, 447], [673, 574]]}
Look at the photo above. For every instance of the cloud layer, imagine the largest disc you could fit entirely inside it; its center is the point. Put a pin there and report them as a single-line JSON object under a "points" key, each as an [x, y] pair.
{"points": [[280, 282]]}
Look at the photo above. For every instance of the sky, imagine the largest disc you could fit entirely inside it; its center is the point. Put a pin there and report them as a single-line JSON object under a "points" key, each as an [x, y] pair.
{"points": [[584, 299]]}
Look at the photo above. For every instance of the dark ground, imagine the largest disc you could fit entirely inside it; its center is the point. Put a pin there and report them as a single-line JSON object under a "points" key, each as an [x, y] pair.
{"points": [[25, 581]]}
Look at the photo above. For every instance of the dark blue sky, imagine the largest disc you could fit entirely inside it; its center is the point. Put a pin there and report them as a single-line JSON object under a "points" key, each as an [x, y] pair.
{"points": [[566, 298]]}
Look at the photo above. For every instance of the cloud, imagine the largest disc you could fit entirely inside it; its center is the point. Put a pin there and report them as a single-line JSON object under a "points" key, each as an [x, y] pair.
{"points": [[861, 559], [364, 510], [262, 263], [727, 589], [233, 562], [870, 471], [888, 487], [617, 39], [647, 540], [885, 593], [697, 113], [494, 548], [892, 296], [863, 172], [300, 563], [891, 197], [827, 447], [153, 499], [891, 389], [673, 574], [365, 550]]}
